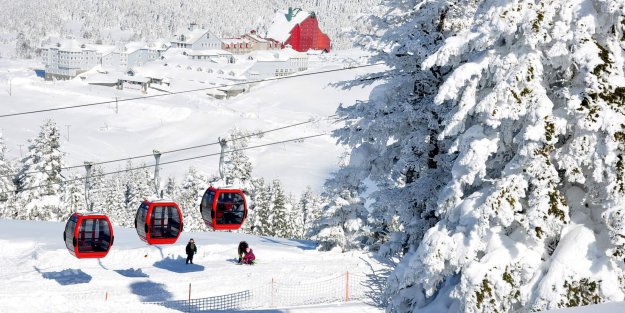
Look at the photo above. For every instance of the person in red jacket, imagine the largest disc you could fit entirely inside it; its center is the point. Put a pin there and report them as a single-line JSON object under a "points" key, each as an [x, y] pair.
{"points": [[249, 256]]}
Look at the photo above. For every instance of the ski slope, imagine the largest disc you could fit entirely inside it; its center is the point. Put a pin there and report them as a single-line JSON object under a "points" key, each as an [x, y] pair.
{"points": [[98, 133], [39, 275]]}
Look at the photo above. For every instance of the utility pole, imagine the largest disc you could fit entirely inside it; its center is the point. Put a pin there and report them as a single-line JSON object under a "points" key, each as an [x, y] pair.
{"points": [[67, 131], [223, 144], [157, 157], [88, 166]]}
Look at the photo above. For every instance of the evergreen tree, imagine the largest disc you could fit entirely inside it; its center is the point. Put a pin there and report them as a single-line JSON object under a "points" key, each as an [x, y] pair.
{"points": [[7, 188], [138, 185], [114, 202], [500, 137], [280, 212], [310, 205], [39, 181], [262, 217], [191, 192], [237, 165]]}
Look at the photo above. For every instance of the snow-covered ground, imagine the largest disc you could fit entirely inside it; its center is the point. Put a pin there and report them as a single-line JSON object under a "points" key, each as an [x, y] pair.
{"points": [[39, 275], [97, 133]]}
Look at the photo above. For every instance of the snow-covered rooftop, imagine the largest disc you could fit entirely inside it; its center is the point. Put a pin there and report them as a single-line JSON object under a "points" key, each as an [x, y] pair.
{"points": [[189, 36], [73, 45], [281, 27]]}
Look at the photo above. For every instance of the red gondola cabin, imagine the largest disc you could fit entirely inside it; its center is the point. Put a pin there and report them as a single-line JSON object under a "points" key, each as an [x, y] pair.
{"points": [[158, 222], [88, 235], [223, 209]]}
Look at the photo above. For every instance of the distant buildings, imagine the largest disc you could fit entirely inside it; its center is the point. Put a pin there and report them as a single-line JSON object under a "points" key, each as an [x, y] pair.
{"points": [[277, 63], [282, 53], [68, 58]]}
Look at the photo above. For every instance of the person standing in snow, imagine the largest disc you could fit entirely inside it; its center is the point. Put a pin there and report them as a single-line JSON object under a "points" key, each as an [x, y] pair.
{"points": [[191, 250]]}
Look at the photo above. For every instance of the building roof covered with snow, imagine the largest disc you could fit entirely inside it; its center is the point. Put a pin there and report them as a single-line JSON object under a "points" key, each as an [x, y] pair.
{"points": [[73, 45], [284, 21], [190, 35], [300, 29]]}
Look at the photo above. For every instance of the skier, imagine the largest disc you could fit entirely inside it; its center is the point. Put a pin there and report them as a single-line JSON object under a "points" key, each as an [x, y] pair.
{"points": [[191, 250]]}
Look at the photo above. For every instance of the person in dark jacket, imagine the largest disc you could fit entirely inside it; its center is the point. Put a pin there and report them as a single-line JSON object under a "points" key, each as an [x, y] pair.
{"points": [[241, 250], [191, 250]]}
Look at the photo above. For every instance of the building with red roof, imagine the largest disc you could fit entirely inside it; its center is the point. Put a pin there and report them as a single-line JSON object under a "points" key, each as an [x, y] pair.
{"points": [[300, 30]]}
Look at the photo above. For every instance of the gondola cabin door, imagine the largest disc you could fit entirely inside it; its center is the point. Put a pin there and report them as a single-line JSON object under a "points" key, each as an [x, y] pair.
{"points": [[88, 235], [159, 222], [223, 209]]}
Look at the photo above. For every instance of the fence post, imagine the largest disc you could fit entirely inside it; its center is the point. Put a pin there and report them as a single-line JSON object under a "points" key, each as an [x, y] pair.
{"points": [[272, 284], [189, 302], [106, 295], [346, 286]]}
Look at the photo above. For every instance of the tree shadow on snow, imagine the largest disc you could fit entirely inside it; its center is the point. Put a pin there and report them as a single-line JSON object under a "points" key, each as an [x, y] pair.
{"points": [[150, 291], [67, 276], [376, 282], [132, 272], [301, 244], [178, 265]]}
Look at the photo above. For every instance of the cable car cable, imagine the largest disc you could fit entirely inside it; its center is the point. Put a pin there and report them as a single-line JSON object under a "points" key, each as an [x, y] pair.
{"points": [[176, 150], [168, 162]]}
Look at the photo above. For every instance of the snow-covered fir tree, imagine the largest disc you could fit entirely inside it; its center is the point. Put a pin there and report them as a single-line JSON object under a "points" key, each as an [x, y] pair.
{"points": [[237, 165], [342, 224], [7, 187], [191, 191], [39, 180], [500, 136], [114, 202], [261, 218], [138, 185], [309, 205]]}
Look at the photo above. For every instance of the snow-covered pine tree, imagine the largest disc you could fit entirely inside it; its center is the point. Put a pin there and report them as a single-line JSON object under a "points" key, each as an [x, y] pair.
{"points": [[261, 218], [237, 165], [97, 188], [310, 205], [114, 202], [281, 224], [532, 206], [342, 224], [7, 188], [138, 185], [39, 181], [73, 197], [171, 189], [191, 191]]}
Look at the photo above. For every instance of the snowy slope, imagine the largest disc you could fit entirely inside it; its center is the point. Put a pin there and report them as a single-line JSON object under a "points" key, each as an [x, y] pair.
{"points": [[39, 275], [98, 134]]}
